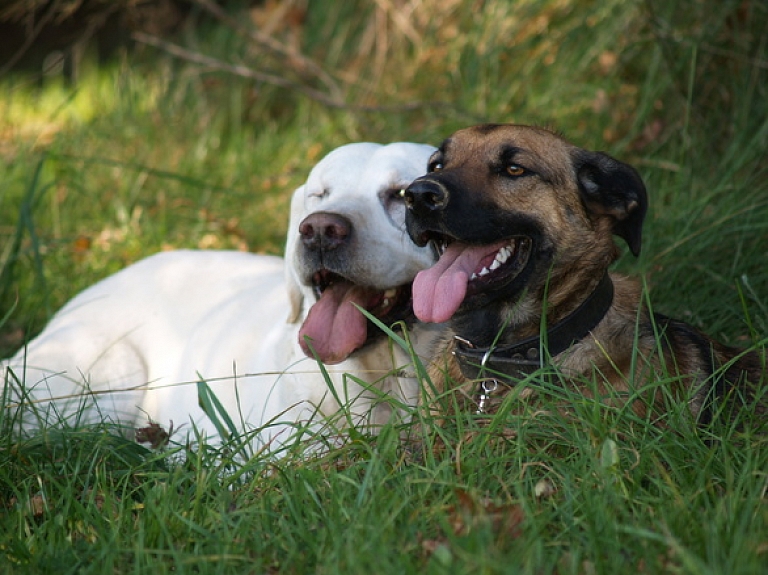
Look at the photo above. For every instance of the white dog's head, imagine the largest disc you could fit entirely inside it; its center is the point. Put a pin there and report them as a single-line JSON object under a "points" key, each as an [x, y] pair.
{"points": [[347, 245]]}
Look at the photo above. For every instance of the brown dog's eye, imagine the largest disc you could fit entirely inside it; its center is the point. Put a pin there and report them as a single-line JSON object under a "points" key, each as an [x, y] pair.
{"points": [[515, 170], [434, 167]]}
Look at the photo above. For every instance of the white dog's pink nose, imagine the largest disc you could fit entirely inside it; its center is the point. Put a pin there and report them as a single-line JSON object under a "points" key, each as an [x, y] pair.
{"points": [[324, 231]]}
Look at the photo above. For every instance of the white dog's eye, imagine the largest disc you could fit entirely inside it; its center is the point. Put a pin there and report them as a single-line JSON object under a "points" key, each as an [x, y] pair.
{"points": [[318, 193], [397, 194], [392, 197], [393, 201]]}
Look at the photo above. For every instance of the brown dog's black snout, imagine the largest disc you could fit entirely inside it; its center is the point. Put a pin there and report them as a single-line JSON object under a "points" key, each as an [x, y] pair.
{"points": [[425, 196], [324, 231]]}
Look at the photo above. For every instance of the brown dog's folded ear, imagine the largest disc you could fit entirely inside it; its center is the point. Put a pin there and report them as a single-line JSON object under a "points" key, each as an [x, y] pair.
{"points": [[613, 188]]}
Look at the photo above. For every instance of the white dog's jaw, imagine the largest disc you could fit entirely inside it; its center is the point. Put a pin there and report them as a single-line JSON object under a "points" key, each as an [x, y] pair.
{"points": [[349, 246]]}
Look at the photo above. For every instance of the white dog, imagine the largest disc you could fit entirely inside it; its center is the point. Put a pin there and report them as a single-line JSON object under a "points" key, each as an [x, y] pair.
{"points": [[131, 348]]}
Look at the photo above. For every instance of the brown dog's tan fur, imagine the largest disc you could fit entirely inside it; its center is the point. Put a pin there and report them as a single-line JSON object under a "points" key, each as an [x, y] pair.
{"points": [[573, 202]]}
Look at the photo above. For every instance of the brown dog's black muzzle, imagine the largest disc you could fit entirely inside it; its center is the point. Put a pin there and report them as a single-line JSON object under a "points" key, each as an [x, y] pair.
{"points": [[425, 196], [426, 200]]}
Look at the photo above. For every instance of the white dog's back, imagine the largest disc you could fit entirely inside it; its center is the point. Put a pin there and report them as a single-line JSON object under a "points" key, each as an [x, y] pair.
{"points": [[129, 333]]}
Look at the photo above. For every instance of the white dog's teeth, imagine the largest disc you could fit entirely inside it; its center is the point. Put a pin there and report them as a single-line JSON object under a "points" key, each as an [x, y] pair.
{"points": [[495, 264], [473, 277], [385, 302], [391, 292], [483, 272]]}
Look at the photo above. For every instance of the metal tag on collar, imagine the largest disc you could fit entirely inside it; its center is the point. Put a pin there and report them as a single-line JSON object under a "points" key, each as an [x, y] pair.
{"points": [[487, 387], [466, 342]]}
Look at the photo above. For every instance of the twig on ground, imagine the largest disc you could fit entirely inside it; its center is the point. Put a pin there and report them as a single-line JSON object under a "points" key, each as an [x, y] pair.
{"points": [[268, 78], [300, 62]]}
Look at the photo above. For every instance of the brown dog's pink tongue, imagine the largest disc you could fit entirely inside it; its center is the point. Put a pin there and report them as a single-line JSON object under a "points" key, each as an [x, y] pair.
{"points": [[334, 325], [439, 290]]}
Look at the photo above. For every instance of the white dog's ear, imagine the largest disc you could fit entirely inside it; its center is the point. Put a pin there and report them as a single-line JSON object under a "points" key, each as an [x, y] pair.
{"points": [[293, 286], [295, 297]]}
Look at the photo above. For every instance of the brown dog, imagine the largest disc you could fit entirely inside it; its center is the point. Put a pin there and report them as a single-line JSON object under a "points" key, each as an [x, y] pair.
{"points": [[525, 223]]}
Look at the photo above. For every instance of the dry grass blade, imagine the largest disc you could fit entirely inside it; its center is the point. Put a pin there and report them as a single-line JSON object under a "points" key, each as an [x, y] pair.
{"points": [[293, 59]]}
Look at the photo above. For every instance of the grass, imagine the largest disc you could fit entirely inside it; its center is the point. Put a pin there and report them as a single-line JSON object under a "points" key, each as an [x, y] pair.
{"points": [[149, 153]]}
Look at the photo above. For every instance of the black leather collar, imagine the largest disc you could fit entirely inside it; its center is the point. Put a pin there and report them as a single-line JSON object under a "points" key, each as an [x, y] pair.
{"points": [[517, 360]]}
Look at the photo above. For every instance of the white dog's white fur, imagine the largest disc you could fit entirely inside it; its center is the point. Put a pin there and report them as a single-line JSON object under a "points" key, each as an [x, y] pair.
{"points": [[133, 346]]}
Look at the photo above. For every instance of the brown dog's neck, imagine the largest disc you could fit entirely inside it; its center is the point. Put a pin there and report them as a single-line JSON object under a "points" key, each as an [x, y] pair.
{"points": [[524, 356], [501, 323]]}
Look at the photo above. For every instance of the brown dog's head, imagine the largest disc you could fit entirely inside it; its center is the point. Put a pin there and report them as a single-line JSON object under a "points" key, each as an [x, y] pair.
{"points": [[518, 210]]}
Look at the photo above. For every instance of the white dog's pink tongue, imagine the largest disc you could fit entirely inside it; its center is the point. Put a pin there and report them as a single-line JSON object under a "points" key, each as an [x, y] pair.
{"points": [[439, 290], [334, 325]]}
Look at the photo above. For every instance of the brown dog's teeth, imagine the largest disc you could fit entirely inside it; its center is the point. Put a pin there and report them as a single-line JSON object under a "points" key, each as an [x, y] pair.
{"points": [[502, 257], [438, 247]]}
